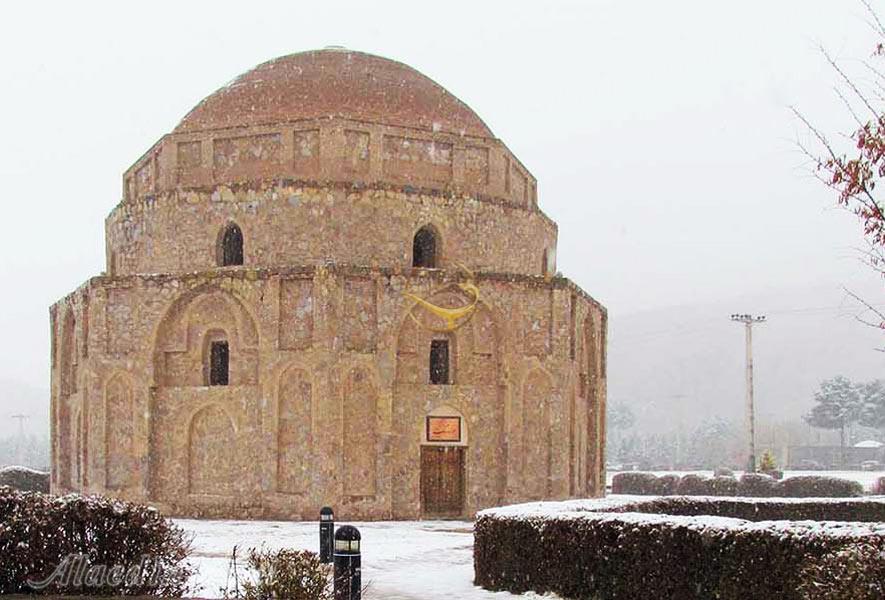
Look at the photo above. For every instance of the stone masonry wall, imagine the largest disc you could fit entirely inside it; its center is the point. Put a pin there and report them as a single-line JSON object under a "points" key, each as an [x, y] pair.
{"points": [[142, 424], [331, 150], [293, 223]]}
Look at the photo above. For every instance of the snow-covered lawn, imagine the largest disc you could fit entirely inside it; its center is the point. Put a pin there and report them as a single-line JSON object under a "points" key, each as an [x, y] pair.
{"points": [[865, 478], [402, 560], [408, 560]]}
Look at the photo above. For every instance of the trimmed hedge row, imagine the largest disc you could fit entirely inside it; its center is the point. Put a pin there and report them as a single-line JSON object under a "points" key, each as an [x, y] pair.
{"points": [[594, 549], [754, 485], [856, 572], [88, 534], [858, 510]]}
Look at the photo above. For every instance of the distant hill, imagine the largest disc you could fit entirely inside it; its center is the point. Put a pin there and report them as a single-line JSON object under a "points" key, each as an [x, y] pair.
{"points": [[687, 362], [684, 362]]}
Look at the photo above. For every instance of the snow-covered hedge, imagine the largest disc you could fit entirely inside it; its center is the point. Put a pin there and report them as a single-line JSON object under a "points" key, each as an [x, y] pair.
{"points": [[750, 484], [861, 510], [635, 482], [856, 572], [724, 485], [816, 486], [39, 532], [25, 479], [757, 485], [631, 548]]}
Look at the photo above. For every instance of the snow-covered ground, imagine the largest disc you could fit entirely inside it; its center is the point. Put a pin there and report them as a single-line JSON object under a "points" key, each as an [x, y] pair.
{"points": [[426, 560], [865, 478], [403, 560]]}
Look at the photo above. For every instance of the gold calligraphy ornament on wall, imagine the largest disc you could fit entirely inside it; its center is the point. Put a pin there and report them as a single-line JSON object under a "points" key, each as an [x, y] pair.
{"points": [[453, 317]]}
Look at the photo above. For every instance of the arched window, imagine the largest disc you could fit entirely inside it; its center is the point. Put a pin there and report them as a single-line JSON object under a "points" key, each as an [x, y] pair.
{"points": [[230, 251], [424, 248]]}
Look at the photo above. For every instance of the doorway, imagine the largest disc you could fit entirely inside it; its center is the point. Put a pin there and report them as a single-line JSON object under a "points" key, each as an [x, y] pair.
{"points": [[442, 481]]}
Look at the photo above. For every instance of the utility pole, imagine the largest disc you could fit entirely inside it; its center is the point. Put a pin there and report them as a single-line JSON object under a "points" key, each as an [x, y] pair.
{"points": [[20, 450], [749, 321], [21, 424], [679, 422]]}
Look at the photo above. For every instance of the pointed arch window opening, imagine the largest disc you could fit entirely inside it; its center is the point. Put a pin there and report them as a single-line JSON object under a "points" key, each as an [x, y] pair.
{"points": [[425, 248], [230, 252]]}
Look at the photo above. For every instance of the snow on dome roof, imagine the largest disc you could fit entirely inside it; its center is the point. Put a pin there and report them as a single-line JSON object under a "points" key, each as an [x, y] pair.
{"points": [[869, 444], [334, 82]]}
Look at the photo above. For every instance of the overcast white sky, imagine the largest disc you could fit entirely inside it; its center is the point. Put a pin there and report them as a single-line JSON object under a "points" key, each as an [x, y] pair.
{"points": [[659, 131]]}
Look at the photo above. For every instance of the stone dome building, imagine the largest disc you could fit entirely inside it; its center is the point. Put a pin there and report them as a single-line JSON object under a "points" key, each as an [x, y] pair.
{"points": [[330, 284]]}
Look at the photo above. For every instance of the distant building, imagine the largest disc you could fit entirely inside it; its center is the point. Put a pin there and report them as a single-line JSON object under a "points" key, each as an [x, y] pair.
{"points": [[330, 284], [834, 457]]}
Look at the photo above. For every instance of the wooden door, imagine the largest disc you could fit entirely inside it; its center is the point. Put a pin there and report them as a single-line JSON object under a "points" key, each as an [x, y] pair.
{"points": [[442, 480]]}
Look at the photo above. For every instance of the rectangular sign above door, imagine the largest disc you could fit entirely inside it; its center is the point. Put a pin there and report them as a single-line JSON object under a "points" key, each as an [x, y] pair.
{"points": [[443, 429]]}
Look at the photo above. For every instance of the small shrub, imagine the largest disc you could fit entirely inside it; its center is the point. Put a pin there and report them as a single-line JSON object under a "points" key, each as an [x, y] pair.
{"points": [[290, 574], [856, 572], [723, 486], [694, 485], [757, 486], [640, 484], [879, 487], [767, 462], [666, 485], [814, 486]]}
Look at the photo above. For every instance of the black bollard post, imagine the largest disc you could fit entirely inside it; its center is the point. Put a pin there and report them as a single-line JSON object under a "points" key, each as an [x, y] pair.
{"points": [[327, 534], [348, 562]]}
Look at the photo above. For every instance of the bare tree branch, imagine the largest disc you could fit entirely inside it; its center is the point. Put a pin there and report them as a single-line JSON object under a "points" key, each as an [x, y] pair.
{"points": [[879, 314], [874, 16], [847, 80], [875, 72], [849, 107]]}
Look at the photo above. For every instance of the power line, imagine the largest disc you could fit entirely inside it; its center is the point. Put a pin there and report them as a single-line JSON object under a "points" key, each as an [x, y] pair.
{"points": [[684, 330], [819, 309]]}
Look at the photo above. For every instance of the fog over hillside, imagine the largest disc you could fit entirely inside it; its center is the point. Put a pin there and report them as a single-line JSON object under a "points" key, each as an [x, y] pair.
{"points": [[19, 398], [686, 363]]}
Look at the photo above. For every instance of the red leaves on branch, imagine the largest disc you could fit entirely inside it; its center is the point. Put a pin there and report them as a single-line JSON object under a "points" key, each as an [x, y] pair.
{"points": [[855, 178]]}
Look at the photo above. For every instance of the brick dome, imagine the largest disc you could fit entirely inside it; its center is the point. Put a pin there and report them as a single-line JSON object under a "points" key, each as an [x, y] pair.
{"points": [[334, 82], [305, 150]]}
